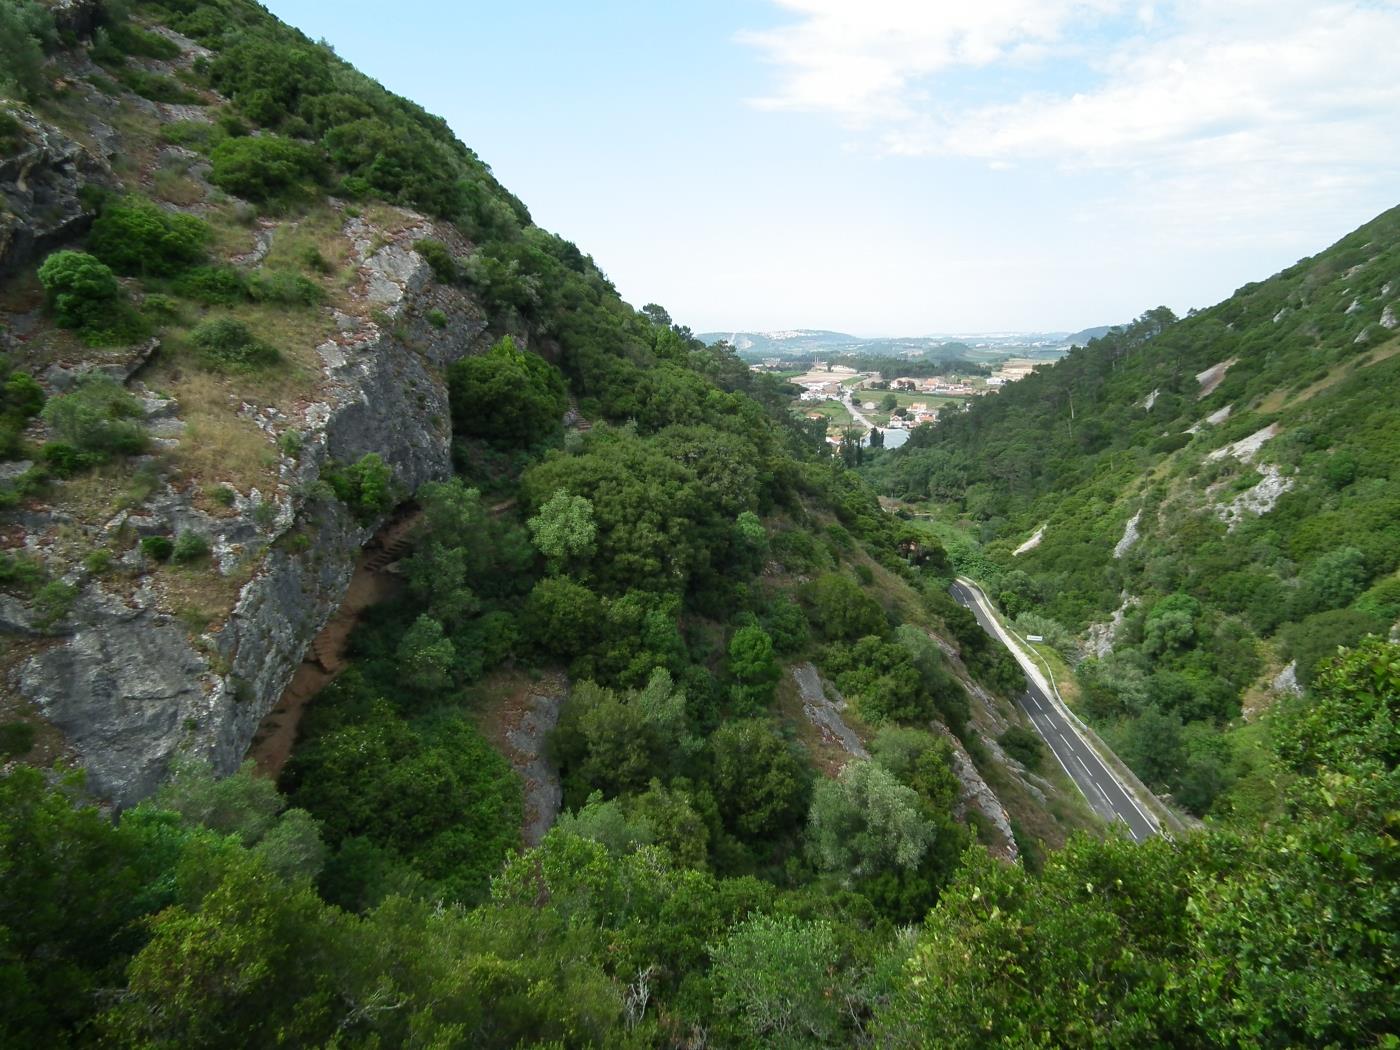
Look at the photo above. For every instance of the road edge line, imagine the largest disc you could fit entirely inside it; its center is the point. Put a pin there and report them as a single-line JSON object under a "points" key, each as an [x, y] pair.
{"points": [[1090, 740]]}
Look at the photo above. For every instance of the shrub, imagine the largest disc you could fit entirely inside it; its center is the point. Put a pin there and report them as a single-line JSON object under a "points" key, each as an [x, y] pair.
{"points": [[213, 285], [161, 308], [265, 168], [188, 547], [437, 318], [137, 236], [284, 288], [157, 548], [64, 461], [20, 572], [53, 602], [438, 258], [366, 486], [21, 398], [155, 86], [228, 345], [1023, 745], [81, 289], [130, 39], [98, 416], [16, 738], [98, 562]]}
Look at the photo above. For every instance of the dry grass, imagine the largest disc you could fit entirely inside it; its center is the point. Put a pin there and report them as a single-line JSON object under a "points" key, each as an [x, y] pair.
{"points": [[97, 495], [218, 445], [176, 187], [197, 594], [317, 234]]}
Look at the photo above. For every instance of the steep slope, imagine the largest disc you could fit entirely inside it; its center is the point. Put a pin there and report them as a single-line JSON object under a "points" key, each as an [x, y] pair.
{"points": [[1216, 498]]}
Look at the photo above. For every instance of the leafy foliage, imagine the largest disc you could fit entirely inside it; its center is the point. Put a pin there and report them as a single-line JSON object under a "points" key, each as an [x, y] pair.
{"points": [[227, 344], [138, 237], [97, 416], [506, 396]]}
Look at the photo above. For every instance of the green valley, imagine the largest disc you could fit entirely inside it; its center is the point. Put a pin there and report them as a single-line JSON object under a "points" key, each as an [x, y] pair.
{"points": [[407, 642]]}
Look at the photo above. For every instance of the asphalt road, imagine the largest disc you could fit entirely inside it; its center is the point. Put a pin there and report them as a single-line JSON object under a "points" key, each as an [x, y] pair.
{"points": [[1100, 787]]}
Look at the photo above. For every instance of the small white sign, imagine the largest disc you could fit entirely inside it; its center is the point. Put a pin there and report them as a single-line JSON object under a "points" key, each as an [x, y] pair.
{"points": [[1034, 638]]}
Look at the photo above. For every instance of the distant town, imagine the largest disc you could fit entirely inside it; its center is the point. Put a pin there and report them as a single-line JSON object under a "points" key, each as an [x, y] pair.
{"points": [[848, 397]]}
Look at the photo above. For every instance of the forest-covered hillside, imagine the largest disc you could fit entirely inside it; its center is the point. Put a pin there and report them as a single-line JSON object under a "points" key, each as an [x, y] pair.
{"points": [[246, 226], [1206, 503]]}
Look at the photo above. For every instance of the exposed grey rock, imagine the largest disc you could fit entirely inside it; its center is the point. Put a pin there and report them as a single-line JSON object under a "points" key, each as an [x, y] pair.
{"points": [[1130, 536], [1099, 638], [825, 712], [1388, 319], [525, 749], [126, 684], [975, 794], [1259, 499], [119, 364], [39, 185], [1285, 683], [126, 695], [79, 17]]}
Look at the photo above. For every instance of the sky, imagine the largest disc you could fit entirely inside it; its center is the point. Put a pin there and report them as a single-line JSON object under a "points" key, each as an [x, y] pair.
{"points": [[911, 167]]}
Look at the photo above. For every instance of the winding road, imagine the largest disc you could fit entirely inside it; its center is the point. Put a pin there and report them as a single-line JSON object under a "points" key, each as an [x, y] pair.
{"points": [[1105, 793]]}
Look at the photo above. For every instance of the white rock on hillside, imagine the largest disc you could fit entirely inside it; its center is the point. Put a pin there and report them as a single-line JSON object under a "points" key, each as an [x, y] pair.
{"points": [[1032, 543]]}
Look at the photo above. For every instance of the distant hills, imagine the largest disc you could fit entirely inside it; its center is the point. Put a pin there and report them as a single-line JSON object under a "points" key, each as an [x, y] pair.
{"points": [[973, 346]]}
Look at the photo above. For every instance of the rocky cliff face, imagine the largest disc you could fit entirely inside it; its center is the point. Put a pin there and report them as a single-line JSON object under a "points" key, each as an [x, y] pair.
{"points": [[125, 676], [40, 180]]}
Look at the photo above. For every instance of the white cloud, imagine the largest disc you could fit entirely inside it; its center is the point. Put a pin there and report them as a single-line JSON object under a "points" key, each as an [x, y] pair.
{"points": [[863, 59], [1206, 108]]}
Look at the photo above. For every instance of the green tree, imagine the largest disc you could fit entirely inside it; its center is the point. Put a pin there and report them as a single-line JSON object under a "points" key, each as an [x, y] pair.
{"points": [[760, 785], [865, 822], [426, 655], [754, 668], [81, 289], [775, 982], [506, 396], [563, 618], [564, 529], [842, 610]]}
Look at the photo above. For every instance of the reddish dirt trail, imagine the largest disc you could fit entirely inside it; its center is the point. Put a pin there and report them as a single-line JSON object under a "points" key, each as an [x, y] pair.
{"points": [[373, 582]]}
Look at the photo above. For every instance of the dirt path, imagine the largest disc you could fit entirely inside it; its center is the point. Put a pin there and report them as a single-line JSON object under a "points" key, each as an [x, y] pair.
{"points": [[373, 582]]}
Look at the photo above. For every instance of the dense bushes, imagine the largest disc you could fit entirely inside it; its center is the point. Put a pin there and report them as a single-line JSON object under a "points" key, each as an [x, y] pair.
{"points": [[138, 237], [265, 168], [21, 398], [506, 396], [80, 288], [26, 32], [98, 416], [228, 345], [431, 792]]}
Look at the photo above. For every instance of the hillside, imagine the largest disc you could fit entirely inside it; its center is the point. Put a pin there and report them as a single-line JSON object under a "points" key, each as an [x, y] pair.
{"points": [[409, 643], [1213, 503]]}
